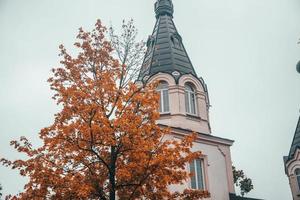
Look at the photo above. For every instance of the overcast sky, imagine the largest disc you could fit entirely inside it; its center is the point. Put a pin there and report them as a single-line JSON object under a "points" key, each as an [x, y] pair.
{"points": [[246, 51]]}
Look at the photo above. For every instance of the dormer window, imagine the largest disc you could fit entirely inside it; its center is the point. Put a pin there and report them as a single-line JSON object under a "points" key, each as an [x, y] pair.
{"points": [[190, 99], [297, 173], [163, 90]]}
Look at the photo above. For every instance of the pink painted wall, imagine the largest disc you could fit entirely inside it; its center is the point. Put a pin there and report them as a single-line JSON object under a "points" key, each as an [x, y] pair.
{"points": [[218, 171], [291, 166], [178, 117], [216, 151]]}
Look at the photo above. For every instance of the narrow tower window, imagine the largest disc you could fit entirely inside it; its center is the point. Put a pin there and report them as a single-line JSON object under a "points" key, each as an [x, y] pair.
{"points": [[163, 90], [190, 99], [297, 173], [197, 179]]}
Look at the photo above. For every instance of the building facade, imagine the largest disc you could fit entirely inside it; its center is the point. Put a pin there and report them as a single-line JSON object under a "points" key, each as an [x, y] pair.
{"points": [[292, 164], [184, 105]]}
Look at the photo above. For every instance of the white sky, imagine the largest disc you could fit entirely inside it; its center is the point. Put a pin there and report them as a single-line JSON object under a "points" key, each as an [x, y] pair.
{"points": [[246, 51]]}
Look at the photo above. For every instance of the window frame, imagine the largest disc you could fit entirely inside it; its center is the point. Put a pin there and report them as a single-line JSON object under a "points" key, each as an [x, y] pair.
{"points": [[190, 95], [297, 174], [196, 174], [164, 88]]}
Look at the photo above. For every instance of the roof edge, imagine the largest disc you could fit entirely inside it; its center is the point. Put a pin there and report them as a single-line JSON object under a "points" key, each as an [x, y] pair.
{"points": [[292, 151], [204, 136]]}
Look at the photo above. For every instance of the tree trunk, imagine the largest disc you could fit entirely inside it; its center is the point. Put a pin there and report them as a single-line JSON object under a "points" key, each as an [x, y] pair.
{"points": [[112, 175]]}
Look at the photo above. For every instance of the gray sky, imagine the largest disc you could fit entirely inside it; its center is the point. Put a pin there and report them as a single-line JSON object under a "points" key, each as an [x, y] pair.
{"points": [[246, 51]]}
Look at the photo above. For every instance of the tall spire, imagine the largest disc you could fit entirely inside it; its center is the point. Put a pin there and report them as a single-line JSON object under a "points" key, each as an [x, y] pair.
{"points": [[165, 51], [296, 141]]}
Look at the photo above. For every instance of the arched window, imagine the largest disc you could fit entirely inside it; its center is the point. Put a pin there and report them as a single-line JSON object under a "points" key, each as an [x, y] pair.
{"points": [[297, 173], [190, 99], [163, 90]]}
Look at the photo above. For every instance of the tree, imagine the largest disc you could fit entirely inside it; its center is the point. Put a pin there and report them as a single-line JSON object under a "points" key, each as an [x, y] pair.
{"points": [[105, 141], [241, 181], [129, 52]]}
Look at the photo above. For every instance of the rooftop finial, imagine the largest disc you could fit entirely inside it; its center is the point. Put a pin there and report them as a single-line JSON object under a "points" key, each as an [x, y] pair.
{"points": [[164, 7]]}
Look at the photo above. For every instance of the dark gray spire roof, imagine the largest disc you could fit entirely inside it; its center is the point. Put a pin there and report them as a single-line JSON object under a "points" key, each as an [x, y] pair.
{"points": [[164, 7], [165, 50], [296, 141]]}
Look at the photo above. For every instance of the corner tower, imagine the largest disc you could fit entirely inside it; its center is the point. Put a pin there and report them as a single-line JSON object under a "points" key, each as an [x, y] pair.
{"points": [[292, 164], [184, 97]]}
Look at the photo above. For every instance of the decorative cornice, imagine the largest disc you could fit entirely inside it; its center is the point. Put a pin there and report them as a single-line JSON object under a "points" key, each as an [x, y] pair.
{"points": [[201, 136]]}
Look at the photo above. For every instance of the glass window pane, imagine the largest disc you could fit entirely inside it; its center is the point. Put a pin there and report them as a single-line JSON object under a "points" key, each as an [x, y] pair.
{"points": [[190, 99], [162, 85], [193, 105], [188, 88], [162, 88], [298, 180], [166, 100], [160, 101], [199, 174], [193, 178], [297, 173], [187, 103]]}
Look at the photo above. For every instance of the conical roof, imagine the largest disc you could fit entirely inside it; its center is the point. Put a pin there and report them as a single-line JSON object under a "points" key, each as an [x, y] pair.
{"points": [[296, 141], [165, 50]]}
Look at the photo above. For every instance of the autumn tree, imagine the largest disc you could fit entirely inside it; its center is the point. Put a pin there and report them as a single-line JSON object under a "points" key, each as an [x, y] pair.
{"points": [[105, 142], [242, 181]]}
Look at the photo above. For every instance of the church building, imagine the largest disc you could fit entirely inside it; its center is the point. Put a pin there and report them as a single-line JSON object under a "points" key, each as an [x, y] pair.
{"points": [[184, 106], [292, 164]]}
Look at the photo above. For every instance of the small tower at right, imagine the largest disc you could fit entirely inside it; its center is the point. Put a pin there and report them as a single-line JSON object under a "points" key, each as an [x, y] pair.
{"points": [[292, 164]]}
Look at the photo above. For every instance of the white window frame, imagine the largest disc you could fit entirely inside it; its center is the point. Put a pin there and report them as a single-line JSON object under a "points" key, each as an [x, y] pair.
{"points": [[162, 109], [190, 93], [196, 174]]}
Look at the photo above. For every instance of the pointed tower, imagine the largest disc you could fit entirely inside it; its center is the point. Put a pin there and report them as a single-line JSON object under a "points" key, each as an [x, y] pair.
{"points": [[184, 96], [292, 164], [184, 106]]}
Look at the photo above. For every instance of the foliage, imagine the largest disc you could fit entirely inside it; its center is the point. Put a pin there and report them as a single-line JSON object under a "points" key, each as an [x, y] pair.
{"points": [[241, 181], [105, 141], [1, 190]]}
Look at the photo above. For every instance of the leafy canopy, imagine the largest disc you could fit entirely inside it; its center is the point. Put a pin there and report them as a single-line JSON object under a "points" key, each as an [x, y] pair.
{"points": [[242, 181]]}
